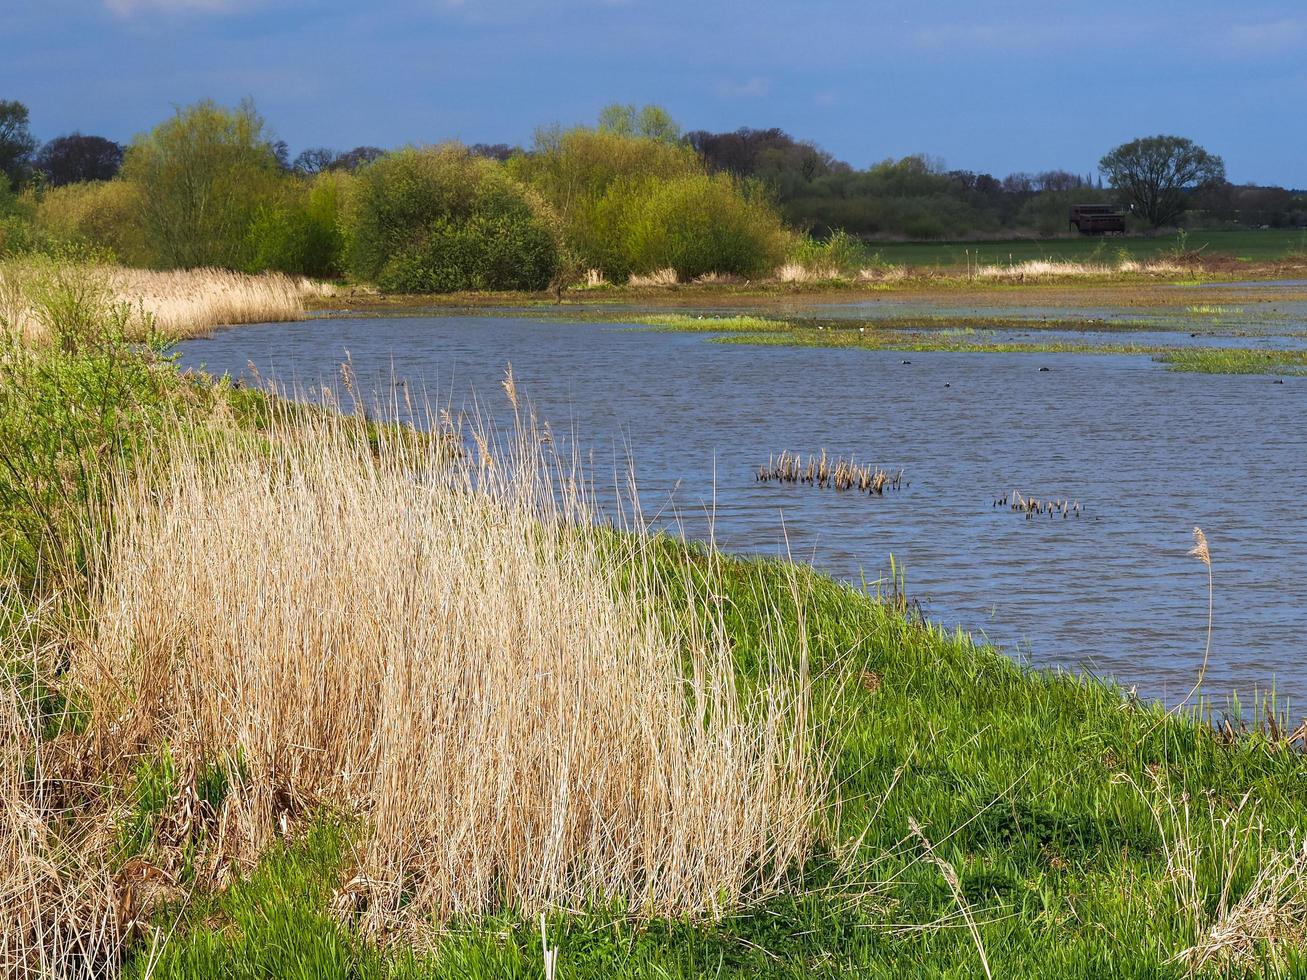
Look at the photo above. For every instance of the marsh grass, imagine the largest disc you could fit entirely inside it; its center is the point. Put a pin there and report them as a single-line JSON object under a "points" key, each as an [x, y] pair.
{"points": [[658, 277], [1235, 360], [43, 298], [324, 668], [450, 650], [59, 916]]}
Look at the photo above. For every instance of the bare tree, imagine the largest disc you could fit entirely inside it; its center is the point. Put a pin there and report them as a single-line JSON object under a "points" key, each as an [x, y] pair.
{"points": [[357, 157], [315, 160]]}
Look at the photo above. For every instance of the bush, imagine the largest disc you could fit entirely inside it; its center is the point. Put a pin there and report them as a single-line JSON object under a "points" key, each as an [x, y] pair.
{"points": [[633, 204], [301, 233], [106, 214], [700, 224], [204, 176], [16, 235], [591, 180], [441, 220]]}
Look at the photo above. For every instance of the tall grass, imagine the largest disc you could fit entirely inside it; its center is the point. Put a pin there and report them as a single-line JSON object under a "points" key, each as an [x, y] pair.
{"points": [[58, 914], [504, 693], [41, 296]]}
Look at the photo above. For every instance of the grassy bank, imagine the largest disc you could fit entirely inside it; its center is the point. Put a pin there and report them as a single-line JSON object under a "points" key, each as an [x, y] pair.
{"points": [[292, 694]]}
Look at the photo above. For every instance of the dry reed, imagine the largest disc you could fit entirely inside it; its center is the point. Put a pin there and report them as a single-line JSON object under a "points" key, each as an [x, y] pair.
{"points": [[1238, 920], [60, 911], [175, 304], [517, 708], [822, 471], [1034, 507], [1060, 269], [797, 272], [882, 274], [659, 277]]}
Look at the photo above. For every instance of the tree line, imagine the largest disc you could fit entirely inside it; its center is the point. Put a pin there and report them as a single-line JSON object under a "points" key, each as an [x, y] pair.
{"points": [[628, 196]]}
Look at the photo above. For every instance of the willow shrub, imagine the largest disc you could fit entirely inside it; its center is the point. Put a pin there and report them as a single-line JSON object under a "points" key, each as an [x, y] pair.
{"points": [[593, 180], [701, 224], [203, 176], [439, 219], [300, 234], [105, 214]]}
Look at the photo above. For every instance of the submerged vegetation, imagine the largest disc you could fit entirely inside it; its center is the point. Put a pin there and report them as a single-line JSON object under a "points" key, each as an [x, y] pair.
{"points": [[988, 334]]}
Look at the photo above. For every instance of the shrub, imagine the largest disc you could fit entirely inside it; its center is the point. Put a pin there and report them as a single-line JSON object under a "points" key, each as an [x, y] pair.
{"points": [[701, 224], [106, 214], [16, 235], [440, 219], [839, 254], [591, 178], [301, 233], [203, 175]]}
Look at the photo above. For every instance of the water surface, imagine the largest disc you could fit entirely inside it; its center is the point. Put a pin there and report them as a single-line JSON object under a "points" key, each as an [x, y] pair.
{"points": [[1148, 452]]}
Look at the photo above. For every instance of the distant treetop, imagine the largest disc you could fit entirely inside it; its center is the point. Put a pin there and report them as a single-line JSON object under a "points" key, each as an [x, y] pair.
{"points": [[652, 122], [75, 158]]}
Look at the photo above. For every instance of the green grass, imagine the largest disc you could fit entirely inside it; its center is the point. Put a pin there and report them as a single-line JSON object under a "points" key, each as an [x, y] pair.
{"points": [[1251, 246], [1219, 360], [1044, 791], [920, 334]]}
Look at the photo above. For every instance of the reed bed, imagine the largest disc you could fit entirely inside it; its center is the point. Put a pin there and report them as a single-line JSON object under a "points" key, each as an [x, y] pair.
{"points": [[191, 302], [1060, 269], [821, 471], [797, 272], [40, 296], [659, 277], [504, 694], [1034, 507], [61, 912]]}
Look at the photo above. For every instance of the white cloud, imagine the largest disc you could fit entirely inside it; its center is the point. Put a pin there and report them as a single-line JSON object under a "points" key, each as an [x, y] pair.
{"points": [[1269, 37], [125, 8], [751, 88]]}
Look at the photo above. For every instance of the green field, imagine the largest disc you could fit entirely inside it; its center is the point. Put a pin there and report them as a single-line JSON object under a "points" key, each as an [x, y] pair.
{"points": [[1246, 246]]}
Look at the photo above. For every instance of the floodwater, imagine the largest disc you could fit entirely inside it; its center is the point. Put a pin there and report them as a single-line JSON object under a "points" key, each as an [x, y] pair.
{"points": [[1148, 453]]}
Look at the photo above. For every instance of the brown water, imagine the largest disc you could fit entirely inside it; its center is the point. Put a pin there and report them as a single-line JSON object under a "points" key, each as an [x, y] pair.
{"points": [[1148, 453]]}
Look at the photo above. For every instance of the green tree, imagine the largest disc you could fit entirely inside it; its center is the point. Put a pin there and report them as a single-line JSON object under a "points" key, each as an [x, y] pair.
{"points": [[205, 175], [650, 122], [16, 142], [1157, 172]]}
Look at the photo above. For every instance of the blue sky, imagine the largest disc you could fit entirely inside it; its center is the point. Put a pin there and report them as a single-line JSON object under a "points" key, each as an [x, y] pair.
{"points": [[995, 86]]}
